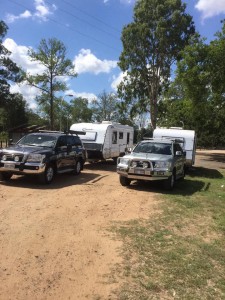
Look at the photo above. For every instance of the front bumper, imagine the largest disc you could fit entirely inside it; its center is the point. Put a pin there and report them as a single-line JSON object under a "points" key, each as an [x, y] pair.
{"points": [[22, 168], [144, 174]]}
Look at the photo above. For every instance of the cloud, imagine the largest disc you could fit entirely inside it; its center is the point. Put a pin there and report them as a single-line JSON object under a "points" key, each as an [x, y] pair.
{"points": [[29, 93], [42, 11], [20, 57], [117, 80], [86, 62], [210, 8]]}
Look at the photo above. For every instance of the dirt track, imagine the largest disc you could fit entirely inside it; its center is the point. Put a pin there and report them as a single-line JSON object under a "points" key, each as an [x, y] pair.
{"points": [[54, 240]]}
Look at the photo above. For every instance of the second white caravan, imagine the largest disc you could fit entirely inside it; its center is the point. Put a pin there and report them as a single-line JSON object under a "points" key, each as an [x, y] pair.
{"points": [[105, 140], [187, 140]]}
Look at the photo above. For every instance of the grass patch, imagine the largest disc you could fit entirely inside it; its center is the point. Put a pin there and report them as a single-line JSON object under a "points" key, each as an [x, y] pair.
{"points": [[180, 253]]}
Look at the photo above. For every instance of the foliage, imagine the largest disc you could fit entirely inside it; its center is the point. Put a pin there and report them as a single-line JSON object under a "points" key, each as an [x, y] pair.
{"points": [[12, 106], [80, 111], [105, 107], [178, 253], [196, 97], [151, 44], [51, 54]]}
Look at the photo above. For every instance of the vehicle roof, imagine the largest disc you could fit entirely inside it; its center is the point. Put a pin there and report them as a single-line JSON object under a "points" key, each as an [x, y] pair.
{"points": [[158, 140], [53, 133]]}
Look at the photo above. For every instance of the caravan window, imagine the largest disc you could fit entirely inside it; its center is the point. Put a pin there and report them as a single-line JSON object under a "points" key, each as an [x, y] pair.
{"points": [[114, 137], [120, 135], [128, 137]]}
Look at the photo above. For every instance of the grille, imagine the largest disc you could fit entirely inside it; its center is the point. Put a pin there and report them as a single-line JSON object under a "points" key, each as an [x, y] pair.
{"points": [[140, 163], [10, 157]]}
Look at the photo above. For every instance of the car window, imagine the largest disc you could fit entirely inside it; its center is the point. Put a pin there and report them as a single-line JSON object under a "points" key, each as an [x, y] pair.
{"points": [[156, 148], [38, 140], [62, 141], [74, 140]]}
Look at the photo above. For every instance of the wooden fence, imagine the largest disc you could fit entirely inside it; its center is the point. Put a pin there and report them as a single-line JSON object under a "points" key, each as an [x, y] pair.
{"points": [[4, 144]]}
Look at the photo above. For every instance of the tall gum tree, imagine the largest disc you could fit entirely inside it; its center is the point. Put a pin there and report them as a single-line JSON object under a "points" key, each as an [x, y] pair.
{"points": [[51, 54], [151, 45]]}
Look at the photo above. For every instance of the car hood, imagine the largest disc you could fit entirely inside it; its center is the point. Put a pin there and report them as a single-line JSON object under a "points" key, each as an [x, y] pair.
{"points": [[149, 156], [26, 149]]}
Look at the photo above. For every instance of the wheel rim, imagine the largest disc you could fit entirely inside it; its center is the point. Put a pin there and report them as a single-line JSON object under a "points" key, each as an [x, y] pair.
{"points": [[49, 174], [78, 167], [172, 181]]}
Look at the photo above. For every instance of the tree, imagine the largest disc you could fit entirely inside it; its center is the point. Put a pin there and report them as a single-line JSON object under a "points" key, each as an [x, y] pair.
{"points": [[52, 55], [80, 111], [151, 45], [12, 106], [105, 107]]}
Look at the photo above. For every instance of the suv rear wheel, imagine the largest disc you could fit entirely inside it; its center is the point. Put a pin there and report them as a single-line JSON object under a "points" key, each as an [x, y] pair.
{"points": [[77, 168]]}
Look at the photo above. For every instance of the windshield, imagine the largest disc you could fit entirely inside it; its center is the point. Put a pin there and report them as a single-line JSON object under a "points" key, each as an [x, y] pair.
{"points": [[38, 140], [156, 148]]}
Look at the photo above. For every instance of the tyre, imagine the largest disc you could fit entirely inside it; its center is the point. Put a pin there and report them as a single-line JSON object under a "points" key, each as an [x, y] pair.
{"points": [[169, 183], [115, 160], [5, 176], [124, 181], [77, 168], [48, 174]]}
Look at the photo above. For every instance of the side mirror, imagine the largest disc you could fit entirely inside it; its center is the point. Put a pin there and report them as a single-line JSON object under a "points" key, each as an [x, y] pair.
{"points": [[178, 153], [128, 150]]}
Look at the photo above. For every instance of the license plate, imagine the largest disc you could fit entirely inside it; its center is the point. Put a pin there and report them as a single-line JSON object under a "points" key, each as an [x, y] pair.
{"points": [[139, 172], [9, 166]]}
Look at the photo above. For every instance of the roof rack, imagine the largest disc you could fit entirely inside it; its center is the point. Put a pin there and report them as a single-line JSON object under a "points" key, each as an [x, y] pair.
{"points": [[50, 131]]}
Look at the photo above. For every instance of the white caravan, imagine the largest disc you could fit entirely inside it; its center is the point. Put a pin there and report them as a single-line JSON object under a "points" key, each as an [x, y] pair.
{"points": [[187, 140], [104, 140]]}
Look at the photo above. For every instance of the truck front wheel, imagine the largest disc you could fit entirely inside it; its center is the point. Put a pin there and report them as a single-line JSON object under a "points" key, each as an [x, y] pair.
{"points": [[169, 183], [124, 181]]}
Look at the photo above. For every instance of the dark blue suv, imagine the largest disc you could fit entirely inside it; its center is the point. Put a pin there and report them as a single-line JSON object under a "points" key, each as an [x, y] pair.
{"points": [[43, 154]]}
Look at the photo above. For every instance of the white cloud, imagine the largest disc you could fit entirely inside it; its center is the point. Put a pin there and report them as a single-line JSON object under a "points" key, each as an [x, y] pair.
{"points": [[89, 96], [29, 93], [117, 80], [86, 62], [211, 8], [42, 11], [20, 57]]}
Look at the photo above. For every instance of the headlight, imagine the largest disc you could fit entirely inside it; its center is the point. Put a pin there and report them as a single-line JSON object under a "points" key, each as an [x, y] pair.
{"points": [[133, 164], [124, 161], [145, 165], [162, 164], [38, 158]]}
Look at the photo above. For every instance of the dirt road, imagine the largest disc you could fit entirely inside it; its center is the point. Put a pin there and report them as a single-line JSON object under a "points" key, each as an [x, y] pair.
{"points": [[54, 240]]}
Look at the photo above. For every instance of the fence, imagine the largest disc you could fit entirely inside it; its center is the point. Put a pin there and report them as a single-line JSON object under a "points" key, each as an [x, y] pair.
{"points": [[4, 144]]}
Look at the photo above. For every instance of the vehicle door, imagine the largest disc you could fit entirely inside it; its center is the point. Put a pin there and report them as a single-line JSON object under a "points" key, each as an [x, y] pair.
{"points": [[179, 159], [63, 159], [73, 149], [114, 143]]}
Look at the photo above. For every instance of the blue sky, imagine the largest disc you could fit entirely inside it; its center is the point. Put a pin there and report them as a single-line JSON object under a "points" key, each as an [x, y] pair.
{"points": [[91, 31]]}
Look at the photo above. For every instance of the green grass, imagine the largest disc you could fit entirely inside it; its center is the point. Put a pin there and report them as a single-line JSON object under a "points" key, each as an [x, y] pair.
{"points": [[180, 252]]}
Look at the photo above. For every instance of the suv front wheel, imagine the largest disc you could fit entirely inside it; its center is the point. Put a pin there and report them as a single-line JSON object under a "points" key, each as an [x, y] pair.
{"points": [[48, 174]]}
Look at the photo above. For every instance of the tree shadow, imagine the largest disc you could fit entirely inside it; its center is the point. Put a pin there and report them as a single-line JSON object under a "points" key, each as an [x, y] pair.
{"points": [[60, 181], [204, 172], [184, 187]]}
